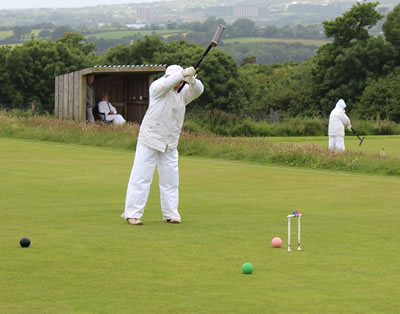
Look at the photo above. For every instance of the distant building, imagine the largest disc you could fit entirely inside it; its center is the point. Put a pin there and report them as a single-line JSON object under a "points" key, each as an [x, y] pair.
{"points": [[143, 15], [245, 11], [136, 26]]}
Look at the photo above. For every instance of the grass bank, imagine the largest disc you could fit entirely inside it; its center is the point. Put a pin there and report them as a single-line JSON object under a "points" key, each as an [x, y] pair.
{"points": [[260, 150]]}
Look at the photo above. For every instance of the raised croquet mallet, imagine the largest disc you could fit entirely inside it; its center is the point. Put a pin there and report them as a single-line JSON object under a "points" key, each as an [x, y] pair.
{"points": [[296, 214]]}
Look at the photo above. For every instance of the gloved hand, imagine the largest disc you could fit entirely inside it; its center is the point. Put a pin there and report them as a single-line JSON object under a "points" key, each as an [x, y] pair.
{"points": [[349, 127], [191, 79], [189, 72]]}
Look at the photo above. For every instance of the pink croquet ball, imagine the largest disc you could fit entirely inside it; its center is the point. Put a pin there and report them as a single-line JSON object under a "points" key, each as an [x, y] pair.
{"points": [[276, 242]]}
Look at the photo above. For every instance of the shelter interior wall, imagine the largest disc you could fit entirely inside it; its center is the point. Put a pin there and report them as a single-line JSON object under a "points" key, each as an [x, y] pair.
{"points": [[128, 93]]}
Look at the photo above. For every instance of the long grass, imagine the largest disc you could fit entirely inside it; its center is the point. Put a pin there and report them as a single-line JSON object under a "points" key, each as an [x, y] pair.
{"points": [[258, 150]]}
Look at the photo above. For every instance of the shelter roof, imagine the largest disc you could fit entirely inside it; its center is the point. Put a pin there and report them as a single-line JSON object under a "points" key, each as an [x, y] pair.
{"points": [[126, 68]]}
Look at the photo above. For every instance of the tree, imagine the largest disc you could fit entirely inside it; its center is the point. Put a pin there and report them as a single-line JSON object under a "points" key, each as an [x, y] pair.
{"points": [[119, 54], [242, 28], [345, 72], [78, 41], [381, 97], [343, 68], [354, 24], [31, 69], [391, 27], [21, 31], [60, 31], [4, 76], [139, 52], [45, 34], [286, 88]]}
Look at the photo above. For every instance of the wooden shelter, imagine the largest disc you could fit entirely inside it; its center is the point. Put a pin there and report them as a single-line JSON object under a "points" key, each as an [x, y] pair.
{"points": [[126, 85]]}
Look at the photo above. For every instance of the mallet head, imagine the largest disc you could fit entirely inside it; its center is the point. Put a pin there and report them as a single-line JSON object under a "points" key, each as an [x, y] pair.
{"points": [[361, 141]]}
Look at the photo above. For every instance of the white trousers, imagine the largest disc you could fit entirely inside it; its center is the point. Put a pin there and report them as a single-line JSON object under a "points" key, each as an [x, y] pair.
{"points": [[115, 118], [146, 159], [336, 143]]}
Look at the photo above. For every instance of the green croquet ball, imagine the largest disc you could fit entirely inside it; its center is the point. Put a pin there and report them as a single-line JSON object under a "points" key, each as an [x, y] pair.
{"points": [[247, 268], [25, 242]]}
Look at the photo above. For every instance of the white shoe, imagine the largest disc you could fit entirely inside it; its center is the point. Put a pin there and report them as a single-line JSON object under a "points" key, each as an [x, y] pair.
{"points": [[173, 221], [134, 221]]}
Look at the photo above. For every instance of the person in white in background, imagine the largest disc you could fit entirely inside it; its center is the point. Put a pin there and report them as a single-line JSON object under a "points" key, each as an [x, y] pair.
{"points": [[338, 120], [157, 144], [109, 111]]}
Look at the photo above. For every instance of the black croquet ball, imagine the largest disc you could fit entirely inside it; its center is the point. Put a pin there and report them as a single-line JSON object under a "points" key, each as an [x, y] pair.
{"points": [[25, 242]]}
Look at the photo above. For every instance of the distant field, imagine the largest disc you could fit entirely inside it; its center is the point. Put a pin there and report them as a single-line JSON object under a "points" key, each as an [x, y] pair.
{"points": [[36, 32], [125, 33], [252, 40], [5, 34], [11, 45]]}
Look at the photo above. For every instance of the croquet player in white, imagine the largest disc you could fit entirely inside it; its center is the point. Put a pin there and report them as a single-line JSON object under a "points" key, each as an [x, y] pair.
{"points": [[157, 144], [337, 121], [109, 111]]}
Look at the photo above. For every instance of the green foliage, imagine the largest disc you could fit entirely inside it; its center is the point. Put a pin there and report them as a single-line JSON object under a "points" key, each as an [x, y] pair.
{"points": [[225, 124], [20, 32], [77, 41], [269, 52], [353, 24], [60, 31], [139, 52], [344, 72], [221, 123], [242, 28], [344, 68], [30, 69], [381, 97], [279, 87], [391, 28]]}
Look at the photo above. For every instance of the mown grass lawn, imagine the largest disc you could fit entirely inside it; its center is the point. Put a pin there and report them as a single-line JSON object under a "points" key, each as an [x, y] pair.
{"points": [[85, 258]]}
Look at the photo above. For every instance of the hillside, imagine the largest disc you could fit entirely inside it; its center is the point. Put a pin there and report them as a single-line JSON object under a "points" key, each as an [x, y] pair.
{"points": [[275, 12]]}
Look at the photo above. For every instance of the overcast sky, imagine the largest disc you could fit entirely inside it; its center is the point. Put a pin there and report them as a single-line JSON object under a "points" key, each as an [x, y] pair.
{"points": [[25, 4]]}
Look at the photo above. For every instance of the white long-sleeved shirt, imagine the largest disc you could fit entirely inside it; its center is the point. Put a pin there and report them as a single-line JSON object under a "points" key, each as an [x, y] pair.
{"points": [[105, 107], [338, 120], [163, 121]]}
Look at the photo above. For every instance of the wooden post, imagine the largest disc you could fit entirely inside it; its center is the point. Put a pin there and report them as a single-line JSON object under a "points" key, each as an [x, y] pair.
{"points": [[56, 98], [33, 107], [271, 115]]}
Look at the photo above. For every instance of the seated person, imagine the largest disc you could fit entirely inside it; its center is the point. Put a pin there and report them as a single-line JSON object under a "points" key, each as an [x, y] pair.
{"points": [[109, 111]]}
